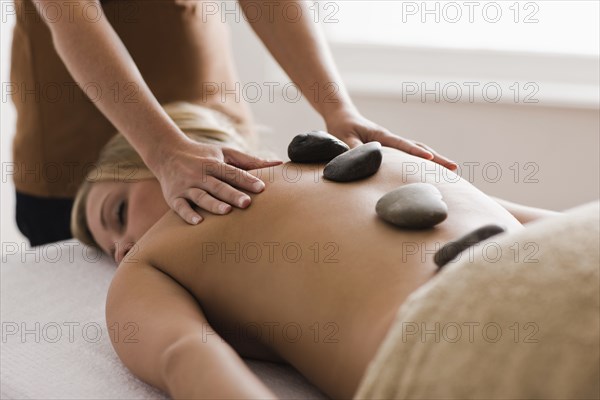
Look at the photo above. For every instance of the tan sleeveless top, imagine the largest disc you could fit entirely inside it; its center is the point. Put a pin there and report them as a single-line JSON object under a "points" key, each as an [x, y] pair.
{"points": [[59, 130]]}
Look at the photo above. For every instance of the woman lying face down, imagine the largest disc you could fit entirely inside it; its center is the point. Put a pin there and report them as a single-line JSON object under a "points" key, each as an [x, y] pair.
{"points": [[308, 275]]}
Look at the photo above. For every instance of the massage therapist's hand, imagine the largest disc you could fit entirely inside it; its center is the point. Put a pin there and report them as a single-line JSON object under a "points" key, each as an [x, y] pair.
{"points": [[206, 175], [354, 130]]}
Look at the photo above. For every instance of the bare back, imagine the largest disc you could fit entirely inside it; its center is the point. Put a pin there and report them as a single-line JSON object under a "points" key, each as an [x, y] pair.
{"points": [[309, 274]]}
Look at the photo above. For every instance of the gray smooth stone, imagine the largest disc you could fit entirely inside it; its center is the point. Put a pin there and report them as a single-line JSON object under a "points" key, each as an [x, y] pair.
{"points": [[358, 163], [452, 249], [315, 147], [413, 206]]}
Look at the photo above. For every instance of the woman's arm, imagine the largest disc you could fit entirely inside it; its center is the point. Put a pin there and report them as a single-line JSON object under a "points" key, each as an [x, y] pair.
{"points": [[525, 214], [160, 333]]}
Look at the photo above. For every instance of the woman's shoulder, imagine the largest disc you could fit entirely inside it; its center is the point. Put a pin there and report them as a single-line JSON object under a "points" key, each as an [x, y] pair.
{"points": [[163, 234], [171, 240]]}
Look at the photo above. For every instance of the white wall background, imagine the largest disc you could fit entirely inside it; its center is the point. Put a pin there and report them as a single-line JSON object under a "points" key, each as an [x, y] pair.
{"points": [[569, 26], [555, 141]]}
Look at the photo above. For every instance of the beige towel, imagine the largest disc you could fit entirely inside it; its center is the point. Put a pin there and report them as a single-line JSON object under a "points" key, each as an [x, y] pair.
{"points": [[518, 320]]}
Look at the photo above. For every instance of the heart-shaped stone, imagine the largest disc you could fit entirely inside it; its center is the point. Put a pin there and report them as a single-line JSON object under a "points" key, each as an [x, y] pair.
{"points": [[413, 206], [315, 147], [358, 163]]}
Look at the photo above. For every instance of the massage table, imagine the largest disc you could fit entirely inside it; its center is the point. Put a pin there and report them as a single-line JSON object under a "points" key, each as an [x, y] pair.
{"points": [[55, 342], [555, 290]]}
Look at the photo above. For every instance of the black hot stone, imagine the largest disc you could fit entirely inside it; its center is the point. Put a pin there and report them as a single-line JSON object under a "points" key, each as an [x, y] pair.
{"points": [[414, 206], [315, 147], [452, 249], [358, 163]]}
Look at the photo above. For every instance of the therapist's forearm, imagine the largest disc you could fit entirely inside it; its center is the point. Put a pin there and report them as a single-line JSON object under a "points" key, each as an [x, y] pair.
{"points": [[300, 48], [93, 52]]}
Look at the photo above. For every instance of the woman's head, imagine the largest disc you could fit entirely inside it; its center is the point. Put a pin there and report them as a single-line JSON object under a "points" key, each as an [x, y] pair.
{"points": [[120, 199]]}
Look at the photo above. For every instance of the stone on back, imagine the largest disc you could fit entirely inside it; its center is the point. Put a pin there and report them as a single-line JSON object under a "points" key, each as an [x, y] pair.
{"points": [[315, 147], [358, 163], [413, 206]]}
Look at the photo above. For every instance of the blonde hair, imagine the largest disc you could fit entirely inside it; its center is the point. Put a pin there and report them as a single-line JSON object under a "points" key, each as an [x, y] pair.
{"points": [[119, 162]]}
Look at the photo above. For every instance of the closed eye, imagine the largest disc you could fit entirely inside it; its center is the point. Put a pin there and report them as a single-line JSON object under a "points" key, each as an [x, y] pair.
{"points": [[121, 213]]}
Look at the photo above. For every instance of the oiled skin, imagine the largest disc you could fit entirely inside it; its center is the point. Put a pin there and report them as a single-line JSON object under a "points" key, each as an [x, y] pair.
{"points": [[327, 312]]}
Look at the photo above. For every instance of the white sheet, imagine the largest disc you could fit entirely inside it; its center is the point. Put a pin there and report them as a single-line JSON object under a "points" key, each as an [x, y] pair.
{"points": [[55, 342]]}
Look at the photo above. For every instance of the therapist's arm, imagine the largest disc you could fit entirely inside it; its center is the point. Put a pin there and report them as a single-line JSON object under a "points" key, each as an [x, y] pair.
{"points": [[287, 29], [93, 52]]}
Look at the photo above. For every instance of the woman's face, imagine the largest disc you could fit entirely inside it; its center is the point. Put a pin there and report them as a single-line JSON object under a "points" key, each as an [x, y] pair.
{"points": [[118, 213]]}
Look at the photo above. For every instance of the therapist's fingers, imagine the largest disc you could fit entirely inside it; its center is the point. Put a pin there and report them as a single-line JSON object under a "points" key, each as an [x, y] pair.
{"points": [[238, 178], [205, 201], [246, 161], [417, 149], [208, 201], [227, 193], [185, 211], [438, 158], [408, 146]]}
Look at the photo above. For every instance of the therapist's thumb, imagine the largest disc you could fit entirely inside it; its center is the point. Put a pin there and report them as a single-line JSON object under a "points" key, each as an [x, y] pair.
{"points": [[246, 161]]}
